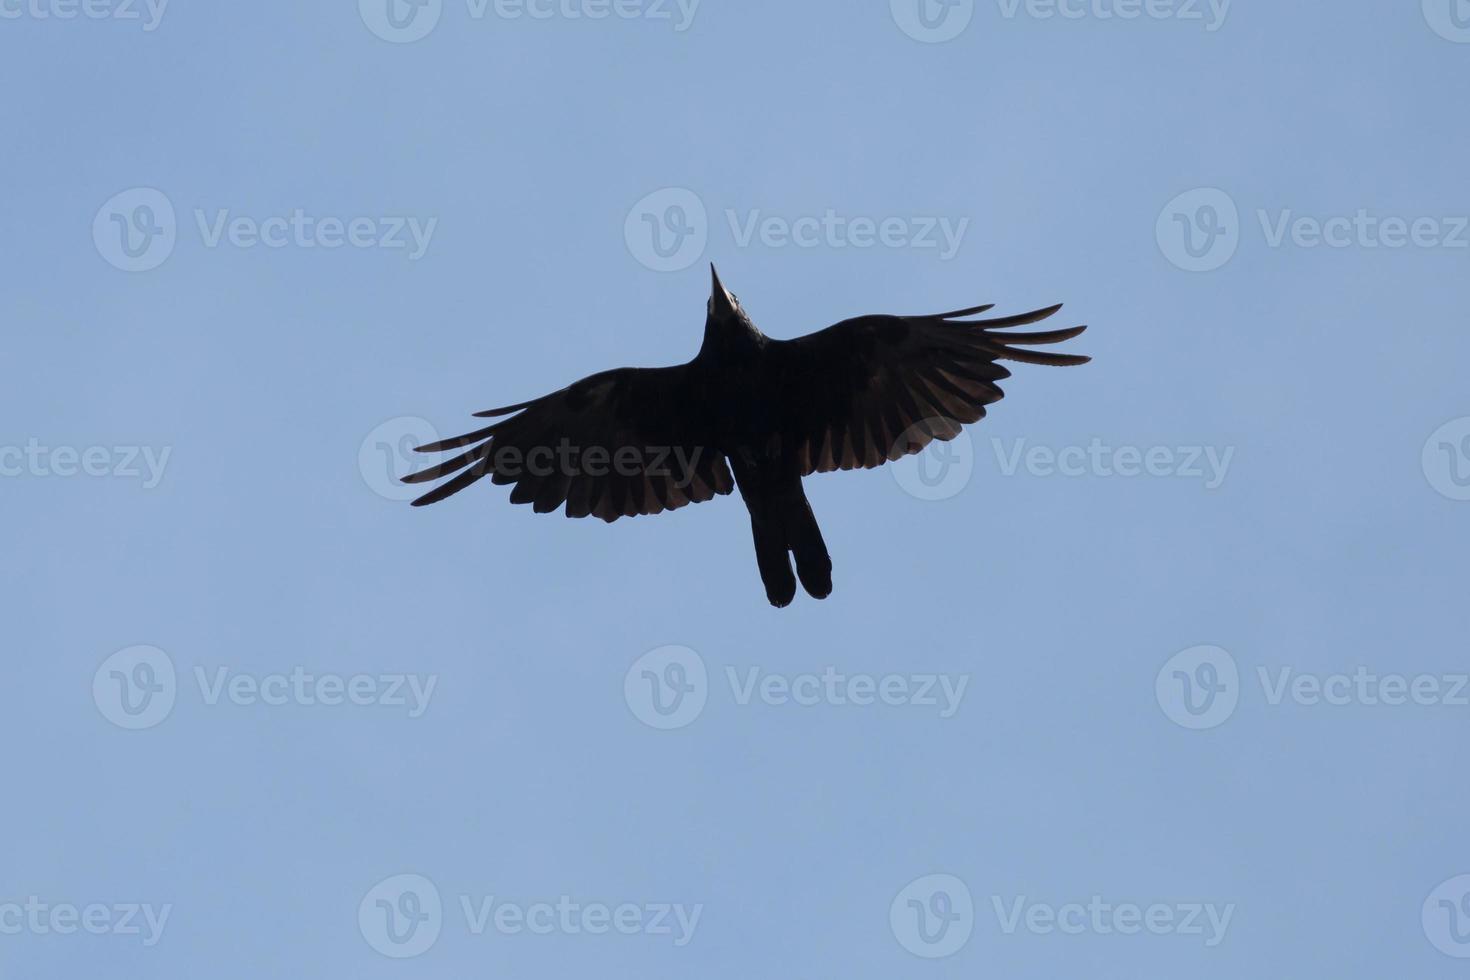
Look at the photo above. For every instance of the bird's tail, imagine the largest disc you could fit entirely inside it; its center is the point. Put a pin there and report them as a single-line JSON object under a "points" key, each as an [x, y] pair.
{"points": [[788, 528], [804, 538], [774, 562]]}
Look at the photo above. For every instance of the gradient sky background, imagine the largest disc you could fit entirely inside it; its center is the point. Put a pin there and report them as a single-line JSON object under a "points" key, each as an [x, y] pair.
{"points": [[267, 545]]}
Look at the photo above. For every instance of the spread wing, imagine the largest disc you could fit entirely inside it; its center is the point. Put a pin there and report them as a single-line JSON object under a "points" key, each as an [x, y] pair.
{"points": [[617, 444], [877, 388]]}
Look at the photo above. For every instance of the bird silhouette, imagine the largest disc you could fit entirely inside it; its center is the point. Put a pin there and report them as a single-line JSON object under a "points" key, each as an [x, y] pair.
{"points": [[752, 413]]}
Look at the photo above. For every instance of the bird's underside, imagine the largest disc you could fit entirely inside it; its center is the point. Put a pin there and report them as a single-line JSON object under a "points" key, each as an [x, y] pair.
{"points": [[637, 441]]}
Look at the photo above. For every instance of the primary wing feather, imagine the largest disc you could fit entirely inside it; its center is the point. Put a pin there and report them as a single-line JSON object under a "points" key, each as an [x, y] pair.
{"points": [[876, 388], [616, 444]]}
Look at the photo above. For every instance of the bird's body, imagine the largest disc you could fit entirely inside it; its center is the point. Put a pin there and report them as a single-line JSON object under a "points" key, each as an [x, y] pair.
{"points": [[752, 413]]}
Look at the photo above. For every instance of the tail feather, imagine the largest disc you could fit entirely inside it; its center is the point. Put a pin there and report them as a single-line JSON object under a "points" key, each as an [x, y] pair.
{"points": [[774, 562], [804, 538]]}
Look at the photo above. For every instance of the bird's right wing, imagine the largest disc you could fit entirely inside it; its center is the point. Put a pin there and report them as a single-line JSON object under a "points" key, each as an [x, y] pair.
{"points": [[616, 444], [876, 388]]}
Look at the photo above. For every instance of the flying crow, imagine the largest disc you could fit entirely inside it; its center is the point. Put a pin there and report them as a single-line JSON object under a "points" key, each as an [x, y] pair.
{"points": [[749, 412]]}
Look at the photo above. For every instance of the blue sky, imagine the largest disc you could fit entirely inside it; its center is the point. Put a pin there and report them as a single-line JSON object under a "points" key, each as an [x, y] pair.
{"points": [[1157, 673]]}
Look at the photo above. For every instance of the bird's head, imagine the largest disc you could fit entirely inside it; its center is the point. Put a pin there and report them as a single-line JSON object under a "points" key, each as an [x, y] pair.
{"points": [[724, 306]]}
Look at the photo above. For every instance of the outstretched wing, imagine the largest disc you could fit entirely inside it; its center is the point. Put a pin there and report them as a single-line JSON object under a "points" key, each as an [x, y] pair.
{"points": [[877, 388], [617, 444]]}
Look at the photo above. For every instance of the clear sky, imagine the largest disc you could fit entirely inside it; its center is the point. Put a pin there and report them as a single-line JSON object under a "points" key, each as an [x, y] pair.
{"points": [[1159, 674]]}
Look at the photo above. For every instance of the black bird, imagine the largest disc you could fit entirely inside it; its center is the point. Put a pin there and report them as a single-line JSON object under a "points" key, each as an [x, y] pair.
{"points": [[645, 440]]}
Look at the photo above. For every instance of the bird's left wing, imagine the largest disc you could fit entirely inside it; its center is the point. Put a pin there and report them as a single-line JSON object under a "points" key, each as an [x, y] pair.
{"points": [[616, 444], [877, 388]]}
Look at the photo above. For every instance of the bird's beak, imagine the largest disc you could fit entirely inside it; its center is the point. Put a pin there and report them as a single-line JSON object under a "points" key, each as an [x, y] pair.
{"points": [[721, 302]]}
